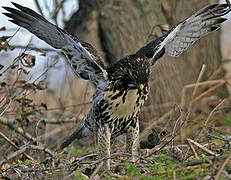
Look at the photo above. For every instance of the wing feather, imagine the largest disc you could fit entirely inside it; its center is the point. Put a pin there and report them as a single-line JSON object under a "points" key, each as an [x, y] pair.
{"points": [[83, 57], [180, 37]]}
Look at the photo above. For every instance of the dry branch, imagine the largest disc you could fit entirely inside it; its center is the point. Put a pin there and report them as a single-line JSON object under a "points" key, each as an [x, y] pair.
{"points": [[13, 155], [206, 160], [222, 168], [14, 145], [27, 136], [201, 147]]}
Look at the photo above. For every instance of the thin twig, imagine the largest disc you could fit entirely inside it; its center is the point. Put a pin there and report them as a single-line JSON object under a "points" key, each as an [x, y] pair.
{"points": [[114, 155], [205, 160], [202, 147], [14, 145], [13, 155], [209, 91], [39, 7], [175, 126], [212, 112], [42, 148], [196, 84], [4, 110], [96, 171], [193, 150], [166, 143], [222, 168], [26, 135], [205, 124], [198, 80], [182, 134]]}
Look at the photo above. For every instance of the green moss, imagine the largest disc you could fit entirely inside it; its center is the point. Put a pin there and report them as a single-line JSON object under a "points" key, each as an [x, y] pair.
{"points": [[77, 175], [131, 170], [227, 121], [76, 151]]}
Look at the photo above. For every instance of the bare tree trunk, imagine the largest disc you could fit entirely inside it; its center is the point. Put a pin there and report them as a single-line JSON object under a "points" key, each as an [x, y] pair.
{"points": [[120, 27]]}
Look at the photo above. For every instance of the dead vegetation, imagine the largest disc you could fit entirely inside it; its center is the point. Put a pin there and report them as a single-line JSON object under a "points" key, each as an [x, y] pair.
{"points": [[190, 141]]}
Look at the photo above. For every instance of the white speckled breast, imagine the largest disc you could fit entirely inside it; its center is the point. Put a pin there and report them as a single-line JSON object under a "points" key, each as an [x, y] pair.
{"points": [[127, 104], [124, 108]]}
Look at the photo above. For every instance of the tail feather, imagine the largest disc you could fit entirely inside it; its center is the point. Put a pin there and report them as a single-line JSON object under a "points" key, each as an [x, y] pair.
{"points": [[77, 134]]}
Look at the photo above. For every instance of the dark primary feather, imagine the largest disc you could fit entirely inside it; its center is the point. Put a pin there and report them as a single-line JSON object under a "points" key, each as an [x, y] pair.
{"points": [[181, 36], [39, 26], [82, 56]]}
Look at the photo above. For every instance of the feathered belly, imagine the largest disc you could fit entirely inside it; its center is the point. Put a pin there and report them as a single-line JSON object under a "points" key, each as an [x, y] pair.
{"points": [[120, 110], [125, 105]]}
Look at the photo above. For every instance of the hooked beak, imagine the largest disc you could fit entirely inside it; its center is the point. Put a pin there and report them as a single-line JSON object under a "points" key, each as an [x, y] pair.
{"points": [[141, 87]]}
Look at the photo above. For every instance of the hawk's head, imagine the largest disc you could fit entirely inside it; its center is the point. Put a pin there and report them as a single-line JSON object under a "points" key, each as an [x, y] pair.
{"points": [[129, 73]]}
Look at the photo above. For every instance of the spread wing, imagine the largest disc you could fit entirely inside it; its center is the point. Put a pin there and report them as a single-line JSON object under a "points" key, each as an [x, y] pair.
{"points": [[181, 36], [83, 58]]}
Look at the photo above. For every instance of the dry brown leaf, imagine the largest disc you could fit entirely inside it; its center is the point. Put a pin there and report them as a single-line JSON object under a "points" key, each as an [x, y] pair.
{"points": [[3, 28], [29, 60]]}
